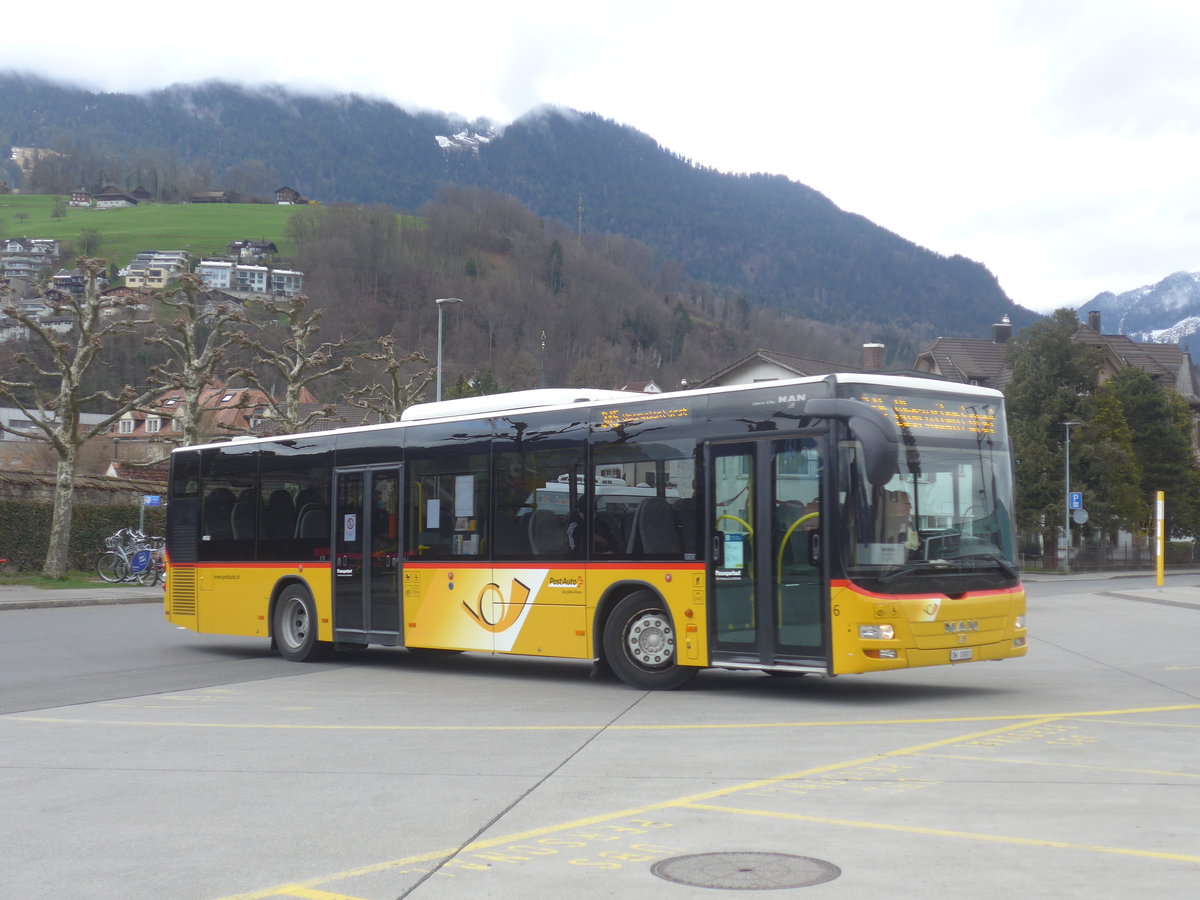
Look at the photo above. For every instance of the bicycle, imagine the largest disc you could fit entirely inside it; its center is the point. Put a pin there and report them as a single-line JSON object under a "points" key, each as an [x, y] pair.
{"points": [[131, 556]]}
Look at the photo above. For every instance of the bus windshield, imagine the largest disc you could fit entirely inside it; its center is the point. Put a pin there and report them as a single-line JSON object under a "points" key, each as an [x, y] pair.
{"points": [[945, 517]]}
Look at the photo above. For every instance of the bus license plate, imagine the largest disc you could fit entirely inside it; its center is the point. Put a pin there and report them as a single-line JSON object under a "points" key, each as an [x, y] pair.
{"points": [[960, 655]]}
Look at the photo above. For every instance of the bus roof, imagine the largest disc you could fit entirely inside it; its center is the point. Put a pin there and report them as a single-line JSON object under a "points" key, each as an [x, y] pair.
{"points": [[552, 398]]}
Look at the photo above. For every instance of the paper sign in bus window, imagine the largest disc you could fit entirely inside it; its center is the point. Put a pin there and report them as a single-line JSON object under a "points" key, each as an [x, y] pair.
{"points": [[734, 551], [464, 495], [433, 514], [350, 528]]}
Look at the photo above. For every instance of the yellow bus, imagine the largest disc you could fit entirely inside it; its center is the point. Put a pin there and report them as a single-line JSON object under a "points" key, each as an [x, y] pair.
{"points": [[834, 525]]}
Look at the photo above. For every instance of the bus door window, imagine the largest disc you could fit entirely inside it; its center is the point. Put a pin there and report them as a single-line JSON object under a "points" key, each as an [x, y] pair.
{"points": [[799, 591], [732, 490]]}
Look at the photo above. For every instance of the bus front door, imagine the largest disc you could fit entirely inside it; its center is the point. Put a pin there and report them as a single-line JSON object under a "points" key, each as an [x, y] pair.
{"points": [[366, 572], [766, 573]]}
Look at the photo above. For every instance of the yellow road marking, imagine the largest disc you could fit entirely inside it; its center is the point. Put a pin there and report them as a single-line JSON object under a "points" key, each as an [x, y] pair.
{"points": [[1146, 724], [487, 843], [942, 832], [310, 894], [1064, 765], [937, 720]]}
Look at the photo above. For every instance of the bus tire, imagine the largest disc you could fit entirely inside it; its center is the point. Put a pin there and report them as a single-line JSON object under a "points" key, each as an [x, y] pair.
{"points": [[294, 625], [640, 645]]}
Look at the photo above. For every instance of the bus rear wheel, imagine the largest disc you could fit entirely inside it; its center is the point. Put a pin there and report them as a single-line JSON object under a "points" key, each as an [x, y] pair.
{"points": [[640, 646], [295, 625]]}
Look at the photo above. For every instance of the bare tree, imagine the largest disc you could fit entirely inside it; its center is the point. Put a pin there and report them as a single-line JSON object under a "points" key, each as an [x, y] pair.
{"points": [[56, 412], [197, 339], [400, 386], [297, 357]]}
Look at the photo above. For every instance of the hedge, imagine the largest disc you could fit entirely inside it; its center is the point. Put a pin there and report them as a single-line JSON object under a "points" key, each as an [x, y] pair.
{"points": [[25, 531]]}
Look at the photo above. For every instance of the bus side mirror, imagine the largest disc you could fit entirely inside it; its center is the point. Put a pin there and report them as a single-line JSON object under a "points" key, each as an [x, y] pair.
{"points": [[878, 435]]}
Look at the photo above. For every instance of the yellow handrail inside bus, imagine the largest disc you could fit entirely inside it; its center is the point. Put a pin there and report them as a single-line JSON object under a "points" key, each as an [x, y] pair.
{"points": [[783, 543], [742, 522]]}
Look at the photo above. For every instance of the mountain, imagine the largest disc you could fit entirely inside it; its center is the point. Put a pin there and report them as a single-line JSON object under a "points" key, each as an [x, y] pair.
{"points": [[776, 241], [1163, 313]]}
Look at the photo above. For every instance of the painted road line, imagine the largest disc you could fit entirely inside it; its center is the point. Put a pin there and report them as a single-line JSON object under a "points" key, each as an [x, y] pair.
{"points": [[290, 726], [439, 857], [1157, 773], [941, 832]]}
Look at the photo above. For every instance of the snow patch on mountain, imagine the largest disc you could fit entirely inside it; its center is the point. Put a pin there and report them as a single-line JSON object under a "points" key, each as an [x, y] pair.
{"points": [[1165, 313], [464, 140]]}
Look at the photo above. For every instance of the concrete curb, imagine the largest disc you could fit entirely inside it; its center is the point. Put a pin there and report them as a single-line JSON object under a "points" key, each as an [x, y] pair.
{"points": [[30, 599]]}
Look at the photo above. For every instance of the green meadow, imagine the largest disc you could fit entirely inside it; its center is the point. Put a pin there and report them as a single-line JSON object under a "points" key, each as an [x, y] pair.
{"points": [[202, 229]]}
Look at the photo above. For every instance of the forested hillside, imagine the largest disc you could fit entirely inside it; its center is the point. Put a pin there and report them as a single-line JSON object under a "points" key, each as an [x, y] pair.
{"points": [[538, 301], [776, 242]]}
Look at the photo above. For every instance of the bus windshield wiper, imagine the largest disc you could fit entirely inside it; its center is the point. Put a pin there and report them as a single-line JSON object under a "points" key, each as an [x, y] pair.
{"points": [[911, 568], [999, 561]]}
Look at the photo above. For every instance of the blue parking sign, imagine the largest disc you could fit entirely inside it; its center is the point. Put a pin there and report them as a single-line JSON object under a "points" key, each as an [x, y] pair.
{"points": [[1075, 500]]}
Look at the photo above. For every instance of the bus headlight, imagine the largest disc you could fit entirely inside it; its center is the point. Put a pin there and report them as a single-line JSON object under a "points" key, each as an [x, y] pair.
{"points": [[1020, 622], [876, 632]]}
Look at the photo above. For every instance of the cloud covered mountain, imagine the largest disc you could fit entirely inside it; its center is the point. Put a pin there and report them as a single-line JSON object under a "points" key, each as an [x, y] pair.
{"points": [[1165, 313], [776, 242]]}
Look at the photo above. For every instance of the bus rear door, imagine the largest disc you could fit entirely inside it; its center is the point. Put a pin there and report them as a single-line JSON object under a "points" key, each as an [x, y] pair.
{"points": [[367, 541]]}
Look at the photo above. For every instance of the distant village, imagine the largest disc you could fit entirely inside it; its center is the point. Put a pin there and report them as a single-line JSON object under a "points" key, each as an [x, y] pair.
{"points": [[34, 271]]}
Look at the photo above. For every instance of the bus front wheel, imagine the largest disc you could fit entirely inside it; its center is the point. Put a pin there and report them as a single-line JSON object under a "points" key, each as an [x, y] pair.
{"points": [[295, 625], [640, 645]]}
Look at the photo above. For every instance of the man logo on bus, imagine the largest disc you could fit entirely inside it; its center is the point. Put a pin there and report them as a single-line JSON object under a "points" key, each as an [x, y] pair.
{"points": [[492, 611]]}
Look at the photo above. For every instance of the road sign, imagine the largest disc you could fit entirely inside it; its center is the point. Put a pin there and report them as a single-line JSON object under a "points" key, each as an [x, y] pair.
{"points": [[1075, 500], [156, 499], [1079, 516]]}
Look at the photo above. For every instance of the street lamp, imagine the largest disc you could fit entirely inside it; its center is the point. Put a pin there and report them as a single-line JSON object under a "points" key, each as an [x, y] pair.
{"points": [[1067, 495], [440, 303]]}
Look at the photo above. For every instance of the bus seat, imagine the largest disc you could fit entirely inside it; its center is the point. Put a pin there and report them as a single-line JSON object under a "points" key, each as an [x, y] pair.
{"points": [[313, 522], [654, 530], [218, 509], [607, 537], [242, 520], [686, 513], [546, 534], [512, 536], [279, 517]]}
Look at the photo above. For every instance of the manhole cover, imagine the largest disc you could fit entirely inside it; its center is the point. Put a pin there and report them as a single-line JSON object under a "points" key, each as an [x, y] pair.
{"points": [[739, 871]]}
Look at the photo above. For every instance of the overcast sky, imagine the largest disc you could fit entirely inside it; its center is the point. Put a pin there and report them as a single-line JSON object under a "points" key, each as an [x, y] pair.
{"points": [[1055, 142]]}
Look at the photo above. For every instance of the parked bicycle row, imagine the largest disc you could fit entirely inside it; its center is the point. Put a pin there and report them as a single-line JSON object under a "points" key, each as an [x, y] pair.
{"points": [[132, 556]]}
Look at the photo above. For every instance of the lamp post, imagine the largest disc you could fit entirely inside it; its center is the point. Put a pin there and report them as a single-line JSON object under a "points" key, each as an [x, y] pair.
{"points": [[440, 303], [1067, 495]]}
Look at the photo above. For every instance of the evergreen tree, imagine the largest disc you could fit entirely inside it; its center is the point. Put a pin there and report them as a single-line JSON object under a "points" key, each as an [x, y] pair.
{"points": [[1053, 379], [1160, 424], [1109, 472]]}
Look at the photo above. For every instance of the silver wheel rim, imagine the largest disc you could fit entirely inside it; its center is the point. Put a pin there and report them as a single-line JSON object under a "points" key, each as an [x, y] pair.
{"points": [[650, 639], [293, 623]]}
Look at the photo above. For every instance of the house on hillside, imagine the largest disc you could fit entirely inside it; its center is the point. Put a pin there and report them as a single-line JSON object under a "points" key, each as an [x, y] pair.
{"points": [[209, 197], [286, 195], [80, 197], [247, 279], [70, 281], [27, 257], [983, 362], [115, 201], [771, 365], [141, 195], [155, 269], [147, 434], [252, 251]]}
